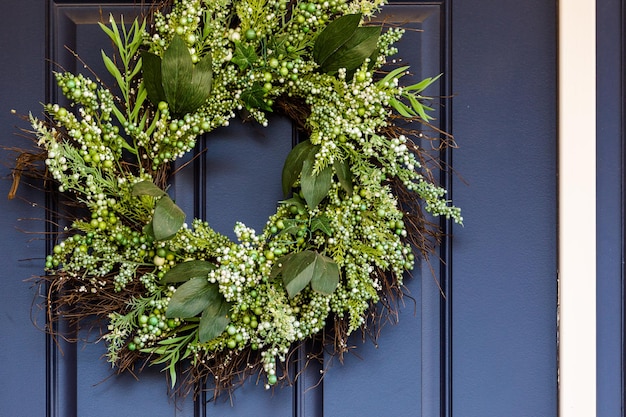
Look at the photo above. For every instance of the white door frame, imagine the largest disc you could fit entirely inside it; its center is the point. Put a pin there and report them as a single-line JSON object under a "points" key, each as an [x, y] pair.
{"points": [[577, 208]]}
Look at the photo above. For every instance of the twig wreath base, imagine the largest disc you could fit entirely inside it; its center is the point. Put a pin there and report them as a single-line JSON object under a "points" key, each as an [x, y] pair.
{"points": [[330, 261]]}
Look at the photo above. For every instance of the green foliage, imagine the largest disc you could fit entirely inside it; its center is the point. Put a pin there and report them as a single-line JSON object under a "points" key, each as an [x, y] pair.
{"points": [[254, 98], [188, 270], [343, 44], [197, 296], [411, 93], [315, 186], [147, 188], [189, 292], [191, 298], [215, 318], [168, 218], [127, 43], [301, 268], [245, 56], [344, 174], [176, 80], [293, 163]]}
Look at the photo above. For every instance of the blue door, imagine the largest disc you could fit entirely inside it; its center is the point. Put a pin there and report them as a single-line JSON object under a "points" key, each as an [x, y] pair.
{"points": [[483, 345]]}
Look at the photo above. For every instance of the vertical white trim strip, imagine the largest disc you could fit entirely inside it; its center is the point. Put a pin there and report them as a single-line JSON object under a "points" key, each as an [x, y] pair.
{"points": [[577, 207]]}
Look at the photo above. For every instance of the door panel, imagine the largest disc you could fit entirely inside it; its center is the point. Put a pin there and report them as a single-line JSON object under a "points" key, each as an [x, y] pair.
{"points": [[504, 260], [405, 363], [22, 87], [487, 349]]}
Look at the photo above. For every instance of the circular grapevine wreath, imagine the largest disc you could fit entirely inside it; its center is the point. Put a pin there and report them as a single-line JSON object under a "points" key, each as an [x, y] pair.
{"points": [[184, 296]]}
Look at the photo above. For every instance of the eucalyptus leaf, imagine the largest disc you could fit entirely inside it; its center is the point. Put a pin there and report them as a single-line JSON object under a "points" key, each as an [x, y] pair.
{"points": [[325, 275], [343, 44], [148, 230], [314, 186], [306, 267], [186, 86], [201, 82], [215, 318], [293, 164], [187, 270], [298, 271], [147, 188], [361, 45], [167, 220], [176, 69], [191, 298], [152, 77], [344, 174], [277, 268], [334, 36]]}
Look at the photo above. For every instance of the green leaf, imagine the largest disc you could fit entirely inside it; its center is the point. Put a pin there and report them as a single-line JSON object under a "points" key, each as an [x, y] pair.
{"points": [[334, 36], [215, 318], [187, 270], [321, 223], [142, 94], [108, 31], [254, 98], [176, 69], [244, 56], [325, 275], [295, 201], [396, 73], [292, 227], [353, 53], [293, 164], [418, 107], [401, 108], [345, 45], [167, 220], [344, 174], [172, 370], [186, 86], [152, 77], [148, 230], [306, 267], [171, 340], [113, 70], [298, 271], [191, 298], [277, 268], [314, 187], [147, 188], [422, 85], [201, 83]]}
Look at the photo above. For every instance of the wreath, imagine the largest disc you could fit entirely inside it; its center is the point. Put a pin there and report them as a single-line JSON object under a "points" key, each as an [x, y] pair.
{"points": [[350, 227]]}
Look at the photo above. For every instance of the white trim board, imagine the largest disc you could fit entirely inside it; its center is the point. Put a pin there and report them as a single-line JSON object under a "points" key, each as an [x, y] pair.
{"points": [[577, 209]]}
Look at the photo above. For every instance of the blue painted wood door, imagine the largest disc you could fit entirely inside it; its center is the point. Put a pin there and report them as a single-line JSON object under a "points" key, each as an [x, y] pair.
{"points": [[488, 348]]}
